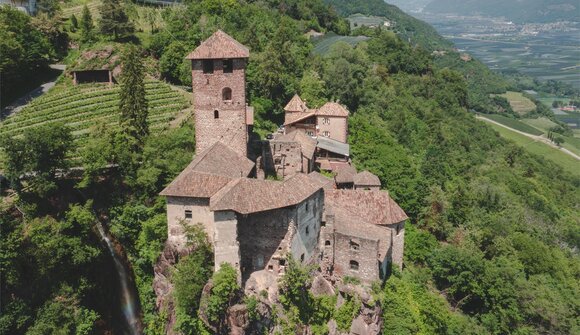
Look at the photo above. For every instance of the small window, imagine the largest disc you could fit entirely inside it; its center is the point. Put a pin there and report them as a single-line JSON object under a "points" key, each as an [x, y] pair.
{"points": [[354, 245], [216, 114], [306, 207], [270, 268], [281, 262], [208, 66], [310, 133], [307, 231], [327, 242], [354, 265], [228, 66], [326, 133], [323, 224], [302, 258], [188, 214], [398, 229], [227, 94], [325, 120]]}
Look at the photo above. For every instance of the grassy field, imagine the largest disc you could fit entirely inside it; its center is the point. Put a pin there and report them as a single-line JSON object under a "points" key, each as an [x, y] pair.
{"points": [[514, 123], [566, 161], [322, 44], [83, 106], [520, 104]]}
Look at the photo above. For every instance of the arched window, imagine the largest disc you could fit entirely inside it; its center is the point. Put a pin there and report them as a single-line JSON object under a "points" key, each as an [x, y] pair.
{"points": [[354, 265], [327, 242], [227, 94], [354, 245], [216, 114]]}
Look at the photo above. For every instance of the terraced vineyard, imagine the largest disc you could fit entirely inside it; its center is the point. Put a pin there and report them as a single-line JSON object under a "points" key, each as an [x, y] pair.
{"points": [[81, 107]]}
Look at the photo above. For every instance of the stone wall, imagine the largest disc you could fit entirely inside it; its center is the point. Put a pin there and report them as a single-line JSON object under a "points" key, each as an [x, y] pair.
{"points": [[363, 251], [176, 207], [226, 245], [337, 127], [304, 245], [287, 158], [398, 244], [230, 124]]}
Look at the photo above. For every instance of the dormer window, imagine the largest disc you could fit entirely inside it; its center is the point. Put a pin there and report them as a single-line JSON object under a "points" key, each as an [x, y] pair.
{"points": [[207, 66], [228, 66], [227, 94]]}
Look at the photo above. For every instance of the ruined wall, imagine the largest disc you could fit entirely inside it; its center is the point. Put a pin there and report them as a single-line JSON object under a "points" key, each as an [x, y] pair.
{"points": [[264, 240], [226, 245], [308, 220], [230, 125], [337, 127], [287, 158], [327, 244], [176, 207], [346, 251]]}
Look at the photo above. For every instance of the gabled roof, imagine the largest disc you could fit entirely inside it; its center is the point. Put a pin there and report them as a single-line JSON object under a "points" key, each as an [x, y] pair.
{"points": [[326, 182], [195, 184], [374, 207], [218, 46], [291, 118], [366, 178], [220, 159], [307, 143], [245, 196], [345, 174], [335, 146], [296, 104], [332, 109]]}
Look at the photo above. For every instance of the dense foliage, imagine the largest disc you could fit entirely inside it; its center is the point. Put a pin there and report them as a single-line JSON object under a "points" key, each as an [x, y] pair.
{"points": [[491, 246]]}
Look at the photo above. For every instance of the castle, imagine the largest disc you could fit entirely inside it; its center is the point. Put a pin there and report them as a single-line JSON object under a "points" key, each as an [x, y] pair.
{"points": [[345, 224]]}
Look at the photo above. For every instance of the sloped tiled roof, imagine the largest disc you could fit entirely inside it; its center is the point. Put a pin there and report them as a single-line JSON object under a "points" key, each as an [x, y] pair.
{"points": [[326, 182], [246, 196], [191, 183], [219, 45], [332, 109], [290, 118], [366, 178], [296, 104], [220, 159], [345, 174], [307, 143], [374, 207]]}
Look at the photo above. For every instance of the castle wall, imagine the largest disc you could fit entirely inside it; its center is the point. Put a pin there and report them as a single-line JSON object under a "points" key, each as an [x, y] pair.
{"points": [[337, 127], [304, 245], [398, 244], [287, 158], [226, 245], [365, 254], [230, 124], [176, 207]]}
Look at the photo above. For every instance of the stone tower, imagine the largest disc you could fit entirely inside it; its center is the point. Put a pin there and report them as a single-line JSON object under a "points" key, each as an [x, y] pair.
{"points": [[219, 91]]}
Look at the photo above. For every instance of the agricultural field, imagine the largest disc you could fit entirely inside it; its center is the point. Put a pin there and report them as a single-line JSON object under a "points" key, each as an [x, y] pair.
{"points": [[542, 123], [566, 161], [514, 123], [83, 106], [520, 104], [322, 44], [359, 20]]}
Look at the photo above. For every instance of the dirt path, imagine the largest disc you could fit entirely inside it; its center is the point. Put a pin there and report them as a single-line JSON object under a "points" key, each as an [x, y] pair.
{"points": [[19, 104], [537, 138]]}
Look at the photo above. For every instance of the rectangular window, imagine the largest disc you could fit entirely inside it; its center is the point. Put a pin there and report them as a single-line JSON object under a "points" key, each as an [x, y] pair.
{"points": [[326, 133], [228, 65], [208, 66], [188, 214]]}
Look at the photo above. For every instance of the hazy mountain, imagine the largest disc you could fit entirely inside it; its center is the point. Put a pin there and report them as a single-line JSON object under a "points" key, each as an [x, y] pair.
{"points": [[515, 10], [410, 5]]}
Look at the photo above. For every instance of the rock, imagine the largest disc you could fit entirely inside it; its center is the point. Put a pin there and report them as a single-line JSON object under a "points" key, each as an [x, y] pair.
{"points": [[359, 327], [321, 286], [261, 281], [332, 327], [238, 319]]}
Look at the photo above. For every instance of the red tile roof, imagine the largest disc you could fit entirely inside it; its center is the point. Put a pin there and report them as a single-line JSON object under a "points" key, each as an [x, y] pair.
{"points": [[220, 159], [296, 104], [307, 143], [374, 207], [219, 46], [344, 174], [195, 184], [290, 118], [244, 195], [326, 182], [366, 178], [332, 109]]}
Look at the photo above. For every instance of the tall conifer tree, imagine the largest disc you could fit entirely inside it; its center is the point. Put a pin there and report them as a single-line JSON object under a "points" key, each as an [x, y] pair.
{"points": [[133, 104], [114, 21], [86, 24]]}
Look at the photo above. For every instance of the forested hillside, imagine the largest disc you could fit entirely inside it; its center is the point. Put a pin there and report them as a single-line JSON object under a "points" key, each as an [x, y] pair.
{"points": [[492, 241]]}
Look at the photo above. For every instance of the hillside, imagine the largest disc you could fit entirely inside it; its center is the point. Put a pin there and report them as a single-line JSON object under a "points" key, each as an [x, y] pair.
{"points": [[519, 11]]}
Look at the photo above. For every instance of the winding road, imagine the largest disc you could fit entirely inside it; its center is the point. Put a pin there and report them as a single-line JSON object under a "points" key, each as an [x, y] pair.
{"points": [[538, 138]]}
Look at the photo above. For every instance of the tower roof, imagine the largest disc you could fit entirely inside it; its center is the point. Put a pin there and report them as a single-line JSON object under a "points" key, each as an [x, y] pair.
{"points": [[296, 104], [366, 178], [219, 46], [332, 109]]}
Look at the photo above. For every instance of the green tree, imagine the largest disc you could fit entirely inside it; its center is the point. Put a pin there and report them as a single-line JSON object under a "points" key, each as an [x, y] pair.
{"points": [[74, 23], [223, 291], [312, 89], [50, 7], [133, 104], [114, 21], [37, 156], [87, 25]]}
